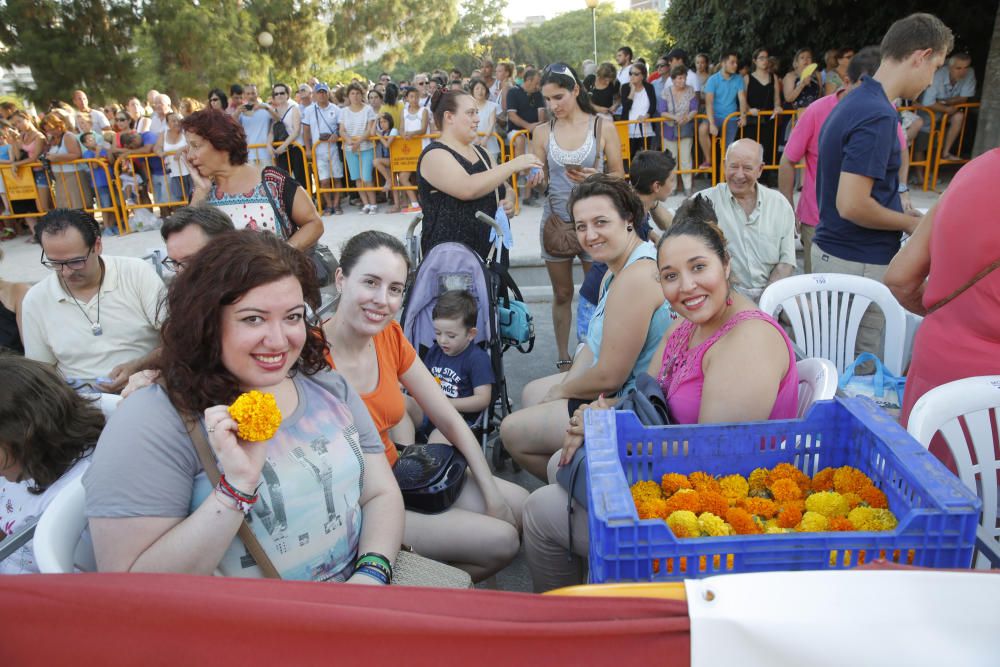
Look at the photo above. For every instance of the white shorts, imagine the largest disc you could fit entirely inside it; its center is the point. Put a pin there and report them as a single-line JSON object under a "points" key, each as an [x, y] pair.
{"points": [[328, 161]]}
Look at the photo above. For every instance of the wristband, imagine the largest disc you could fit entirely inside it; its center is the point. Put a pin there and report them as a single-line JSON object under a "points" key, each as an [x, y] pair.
{"points": [[232, 503], [236, 493], [372, 573]]}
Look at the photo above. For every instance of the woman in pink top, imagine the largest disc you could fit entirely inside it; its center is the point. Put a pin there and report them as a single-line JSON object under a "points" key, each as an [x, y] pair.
{"points": [[726, 361], [954, 245]]}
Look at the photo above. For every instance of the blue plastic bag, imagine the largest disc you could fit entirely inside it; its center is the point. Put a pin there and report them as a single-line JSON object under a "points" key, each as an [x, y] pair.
{"points": [[882, 387], [504, 222]]}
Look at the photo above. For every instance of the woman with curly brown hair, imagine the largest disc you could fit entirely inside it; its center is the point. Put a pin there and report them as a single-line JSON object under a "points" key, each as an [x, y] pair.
{"points": [[315, 495], [47, 433]]}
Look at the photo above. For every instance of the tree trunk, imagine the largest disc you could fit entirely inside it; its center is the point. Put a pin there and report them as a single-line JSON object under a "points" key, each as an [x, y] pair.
{"points": [[988, 127]]}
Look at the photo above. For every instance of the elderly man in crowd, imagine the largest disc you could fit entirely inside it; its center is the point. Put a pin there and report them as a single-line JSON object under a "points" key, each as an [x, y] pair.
{"points": [[320, 122], [953, 84], [96, 318], [88, 119], [758, 222]]}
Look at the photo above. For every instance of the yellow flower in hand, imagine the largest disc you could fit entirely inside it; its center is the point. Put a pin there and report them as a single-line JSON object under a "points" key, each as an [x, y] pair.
{"points": [[257, 414]]}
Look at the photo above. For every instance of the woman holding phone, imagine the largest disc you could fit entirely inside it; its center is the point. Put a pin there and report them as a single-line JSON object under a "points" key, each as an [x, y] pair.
{"points": [[574, 144]]}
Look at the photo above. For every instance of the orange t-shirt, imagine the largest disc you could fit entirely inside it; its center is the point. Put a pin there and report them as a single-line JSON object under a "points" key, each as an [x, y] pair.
{"points": [[386, 404]]}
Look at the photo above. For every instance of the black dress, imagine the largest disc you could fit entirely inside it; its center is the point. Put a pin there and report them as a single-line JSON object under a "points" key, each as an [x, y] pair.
{"points": [[449, 219], [10, 337], [604, 97], [761, 97]]}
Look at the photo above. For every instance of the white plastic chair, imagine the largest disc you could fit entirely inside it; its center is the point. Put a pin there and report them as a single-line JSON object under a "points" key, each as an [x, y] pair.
{"points": [[58, 545], [913, 322], [825, 311], [817, 382], [976, 403]]}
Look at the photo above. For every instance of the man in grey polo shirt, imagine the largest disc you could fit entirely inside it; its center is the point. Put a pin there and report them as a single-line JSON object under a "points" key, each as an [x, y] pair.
{"points": [[758, 222]]}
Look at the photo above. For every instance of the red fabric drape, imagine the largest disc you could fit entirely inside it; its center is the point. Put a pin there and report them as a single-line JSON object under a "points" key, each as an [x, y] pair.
{"points": [[109, 619]]}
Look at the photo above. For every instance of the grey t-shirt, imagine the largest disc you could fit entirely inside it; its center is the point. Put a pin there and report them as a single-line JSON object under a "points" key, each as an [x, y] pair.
{"points": [[308, 517]]}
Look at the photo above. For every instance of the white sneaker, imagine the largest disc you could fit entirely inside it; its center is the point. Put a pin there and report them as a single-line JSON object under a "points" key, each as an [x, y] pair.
{"points": [[373, 209], [366, 209]]}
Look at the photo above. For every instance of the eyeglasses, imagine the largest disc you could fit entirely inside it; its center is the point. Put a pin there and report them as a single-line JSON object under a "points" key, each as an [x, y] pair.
{"points": [[72, 264], [121, 119], [277, 92], [661, 65], [633, 73], [421, 83], [172, 264]]}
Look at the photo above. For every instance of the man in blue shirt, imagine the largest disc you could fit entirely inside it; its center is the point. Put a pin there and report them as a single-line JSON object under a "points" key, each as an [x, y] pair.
{"points": [[724, 94], [861, 218]]}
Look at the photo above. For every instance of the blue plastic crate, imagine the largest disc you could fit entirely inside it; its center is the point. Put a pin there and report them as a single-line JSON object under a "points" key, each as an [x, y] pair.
{"points": [[937, 514]]}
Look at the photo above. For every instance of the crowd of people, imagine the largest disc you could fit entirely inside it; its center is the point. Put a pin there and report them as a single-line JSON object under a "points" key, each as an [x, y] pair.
{"points": [[319, 496]]}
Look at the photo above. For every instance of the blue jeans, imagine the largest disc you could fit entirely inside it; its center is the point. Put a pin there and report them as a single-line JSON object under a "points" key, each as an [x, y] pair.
{"points": [[104, 196], [159, 188], [176, 193]]}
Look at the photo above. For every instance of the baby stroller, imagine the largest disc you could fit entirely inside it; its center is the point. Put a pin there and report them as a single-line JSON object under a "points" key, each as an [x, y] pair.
{"points": [[451, 266]]}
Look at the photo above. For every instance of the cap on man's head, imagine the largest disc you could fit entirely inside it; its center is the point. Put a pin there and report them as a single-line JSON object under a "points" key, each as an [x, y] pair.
{"points": [[321, 88], [304, 88], [677, 53]]}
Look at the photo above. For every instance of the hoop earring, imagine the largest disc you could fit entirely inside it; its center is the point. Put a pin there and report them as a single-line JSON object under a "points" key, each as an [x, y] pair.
{"points": [[629, 228]]}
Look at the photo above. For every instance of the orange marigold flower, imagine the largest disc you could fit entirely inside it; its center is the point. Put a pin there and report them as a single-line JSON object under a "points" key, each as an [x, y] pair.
{"points": [[257, 414], [741, 522], [789, 516], [874, 497], [673, 482], [823, 480], [685, 499], [785, 489], [652, 508], [788, 471], [646, 490], [713, 502], [702, 481], [850, 480], [839, 523], [761, 507], [758, 480], [734, 487], [853, 499]]}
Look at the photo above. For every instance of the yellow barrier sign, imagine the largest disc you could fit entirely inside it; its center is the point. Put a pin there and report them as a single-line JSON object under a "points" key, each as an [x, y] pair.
{"points": [[21, 186], [404, 153], [623, 140]]}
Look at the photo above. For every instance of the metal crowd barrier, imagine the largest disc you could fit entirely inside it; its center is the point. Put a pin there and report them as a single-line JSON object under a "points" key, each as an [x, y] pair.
{"points": [[677, 146], [143, 171]]}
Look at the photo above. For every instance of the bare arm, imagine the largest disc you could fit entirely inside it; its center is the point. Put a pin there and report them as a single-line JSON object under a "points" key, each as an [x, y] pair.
{"points": [[443, 172], [306, 218], [612, 151], [786, 179], [739, 386], [780, 271], [907, 274], [381, 510], [854, 203], [662, 216], [73, 150], [479, 400]]}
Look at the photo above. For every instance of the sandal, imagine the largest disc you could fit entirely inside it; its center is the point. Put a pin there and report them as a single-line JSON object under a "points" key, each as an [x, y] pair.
{"points": [[337, 210], [563, 364]]}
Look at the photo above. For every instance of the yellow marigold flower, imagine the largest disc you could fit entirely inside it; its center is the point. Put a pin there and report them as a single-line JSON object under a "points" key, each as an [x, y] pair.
{"points": [[741, 522], [872, 519], [874, 497], [850, 480], [827, 503], [702, 481], [713, 502], [758, 480], [684, 524], [812, 522], [673, 482], [646, 490], [257, 414], [712, 525], [823, 480], [772, 528], [839, 523], [734, 487], [761, 507], [785, 489], [685, 499]]}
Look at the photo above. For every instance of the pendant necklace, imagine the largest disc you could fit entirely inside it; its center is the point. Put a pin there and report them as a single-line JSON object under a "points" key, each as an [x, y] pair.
{"points": [[95, 327]]}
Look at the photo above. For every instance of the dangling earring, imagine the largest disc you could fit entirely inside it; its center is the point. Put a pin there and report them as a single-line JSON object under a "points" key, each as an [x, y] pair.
{"points": [[629, 228], [729, 300], [673, 314]]}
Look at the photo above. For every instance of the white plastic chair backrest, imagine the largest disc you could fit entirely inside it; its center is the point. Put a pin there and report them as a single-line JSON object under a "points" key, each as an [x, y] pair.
{"points": [[817, 382], [57, 544], [825, 311], [913, 322], [976, 402]]}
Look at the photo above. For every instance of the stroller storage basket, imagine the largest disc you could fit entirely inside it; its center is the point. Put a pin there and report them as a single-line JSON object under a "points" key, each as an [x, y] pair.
{"points": [[937, 514]]}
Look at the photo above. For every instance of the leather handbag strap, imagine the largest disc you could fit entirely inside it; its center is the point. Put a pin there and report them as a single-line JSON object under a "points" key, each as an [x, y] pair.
{"points": [[972, 281], [212, 470]]}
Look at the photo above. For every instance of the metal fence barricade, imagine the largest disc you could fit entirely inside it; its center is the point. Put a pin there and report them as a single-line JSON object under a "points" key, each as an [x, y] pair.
{"points": [[510, 155], [966, 109], [296, 162], [927, 160], [139, 175], [686, 150]]}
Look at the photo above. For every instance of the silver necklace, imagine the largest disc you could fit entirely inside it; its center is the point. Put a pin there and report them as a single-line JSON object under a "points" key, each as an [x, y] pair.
{"points": [[95, 327]]}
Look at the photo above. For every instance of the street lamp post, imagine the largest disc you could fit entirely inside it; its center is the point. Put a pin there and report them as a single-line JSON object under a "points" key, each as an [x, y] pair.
{"points": [[592, 4], [266, 39]]}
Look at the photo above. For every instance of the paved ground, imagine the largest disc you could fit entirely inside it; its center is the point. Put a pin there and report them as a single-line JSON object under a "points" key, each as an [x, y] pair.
{"points": [[20, 263]]}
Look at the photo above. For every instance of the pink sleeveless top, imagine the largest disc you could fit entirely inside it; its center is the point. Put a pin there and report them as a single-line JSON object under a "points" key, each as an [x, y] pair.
{"points": [[681, 377]]}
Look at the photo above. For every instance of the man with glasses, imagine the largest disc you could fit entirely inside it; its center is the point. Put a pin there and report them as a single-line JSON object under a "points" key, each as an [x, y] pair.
{"points": [[188, 230], [96, 318]]}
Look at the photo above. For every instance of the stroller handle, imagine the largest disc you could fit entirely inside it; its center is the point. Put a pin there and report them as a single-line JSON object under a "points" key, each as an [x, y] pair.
{"points": [[487, 220], [413, 224]]}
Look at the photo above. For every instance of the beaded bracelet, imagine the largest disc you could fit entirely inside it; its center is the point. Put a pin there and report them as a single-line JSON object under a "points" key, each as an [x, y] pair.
{"points": [[373, 574], [378, 566], [236, 493], [375, 560], [377, 556]]}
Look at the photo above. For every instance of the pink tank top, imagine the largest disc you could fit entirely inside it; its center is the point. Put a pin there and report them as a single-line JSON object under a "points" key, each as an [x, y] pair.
{"points": [[681, 377]]}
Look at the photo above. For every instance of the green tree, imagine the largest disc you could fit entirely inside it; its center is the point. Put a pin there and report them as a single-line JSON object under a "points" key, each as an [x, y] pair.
{"points": [[299, 30], [569, 37], [988, 128], [406, 25], [460, 47], [184, 49], [70, 44]]}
